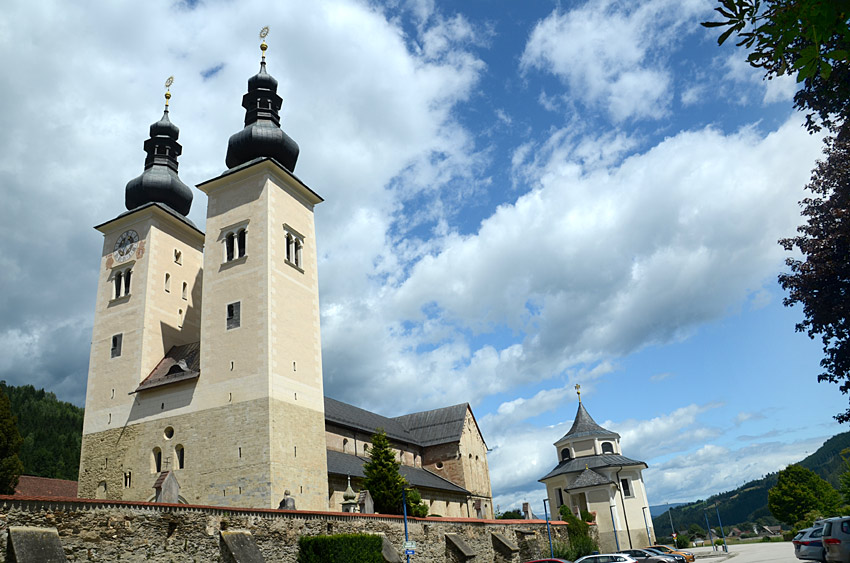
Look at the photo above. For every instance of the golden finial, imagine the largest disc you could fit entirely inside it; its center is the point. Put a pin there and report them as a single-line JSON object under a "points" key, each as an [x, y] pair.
{"points": [[168, 82], [263, 33], [578, 390]]}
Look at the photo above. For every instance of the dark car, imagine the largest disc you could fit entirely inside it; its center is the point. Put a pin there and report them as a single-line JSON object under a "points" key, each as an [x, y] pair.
{"points": [[646, 556], [671, 556], [836, 539]]}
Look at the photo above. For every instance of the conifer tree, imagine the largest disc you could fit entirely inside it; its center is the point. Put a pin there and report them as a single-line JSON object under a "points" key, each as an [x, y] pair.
{"points": [[10, 443], [383, 480]]}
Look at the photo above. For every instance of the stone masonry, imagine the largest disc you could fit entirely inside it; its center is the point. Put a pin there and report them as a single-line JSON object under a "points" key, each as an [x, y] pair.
{"points": [[135, 532]]}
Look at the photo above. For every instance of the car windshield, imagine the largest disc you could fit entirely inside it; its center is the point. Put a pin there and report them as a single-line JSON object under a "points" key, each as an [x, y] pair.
{"points": [[662, 548], [816, 533]]}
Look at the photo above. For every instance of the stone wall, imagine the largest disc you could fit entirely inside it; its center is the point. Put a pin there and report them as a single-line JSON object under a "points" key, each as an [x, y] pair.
{"points": [[124, 531]]}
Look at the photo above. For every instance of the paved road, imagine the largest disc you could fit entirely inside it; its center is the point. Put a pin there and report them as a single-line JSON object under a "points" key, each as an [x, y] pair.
{"points": [[774, 552]]}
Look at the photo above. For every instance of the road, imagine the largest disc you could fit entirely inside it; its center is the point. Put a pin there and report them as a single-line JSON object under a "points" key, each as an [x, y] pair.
{"points": [[773, 552]]}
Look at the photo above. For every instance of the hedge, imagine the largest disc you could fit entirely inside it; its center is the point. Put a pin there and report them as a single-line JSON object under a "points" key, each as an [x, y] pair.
{"points": [[340, 548]]}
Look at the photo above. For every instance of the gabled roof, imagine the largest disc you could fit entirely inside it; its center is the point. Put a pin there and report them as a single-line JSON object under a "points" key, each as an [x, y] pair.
{"points": [[436, 426], [181, 363], [589, 478], [30, 486], [350, 416], [592, 462], [584, 427], [347, 464]]}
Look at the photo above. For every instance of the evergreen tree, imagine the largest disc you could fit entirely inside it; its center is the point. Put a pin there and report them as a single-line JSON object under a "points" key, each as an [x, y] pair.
{"points": [[383, 480], [798, 491], [10, 443]]}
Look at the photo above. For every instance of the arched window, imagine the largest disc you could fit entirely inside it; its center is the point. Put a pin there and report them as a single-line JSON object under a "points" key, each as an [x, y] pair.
{"points": [[168, 282], [240, 239], [607, 448], [127, 282], [180, 453], [119, 284], [565, 454], [229, 243], [101, 490], [185, 290], [289, 247], [298, 246], [344, 444], [156, 460]]}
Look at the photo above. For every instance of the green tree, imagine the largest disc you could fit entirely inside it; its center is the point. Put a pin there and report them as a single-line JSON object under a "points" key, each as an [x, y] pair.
{"points": [[10, 443], [696, 530], [797, 492], [510, 515], [382, 478], [581, 543], [806, 38], [415, 505], [821, 282]]}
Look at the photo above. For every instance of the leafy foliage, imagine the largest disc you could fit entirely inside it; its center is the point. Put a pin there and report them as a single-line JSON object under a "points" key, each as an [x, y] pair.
{"points": [[510, 515], [797, 492], [383, 480], [341, 548], [51, 430], [809, 38], [581, 543], [821, 282], [10, 443], [415, 506]]}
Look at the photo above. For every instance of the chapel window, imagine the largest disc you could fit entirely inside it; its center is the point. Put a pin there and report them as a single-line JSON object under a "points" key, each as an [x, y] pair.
{"points": [[180, 454], [294, 247], [156, 460], [240, 240], [607, 448], [565, 454], [127, 275], [627, 489], [229, 243], [121, 281], [234, 315]]}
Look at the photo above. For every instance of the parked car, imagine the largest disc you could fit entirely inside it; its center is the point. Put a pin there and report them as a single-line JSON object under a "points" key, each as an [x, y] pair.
{"points": [[646, 556], [675, 556], [550, 560], [607, 558], [689, 557], [836, 539], [808, 544]]}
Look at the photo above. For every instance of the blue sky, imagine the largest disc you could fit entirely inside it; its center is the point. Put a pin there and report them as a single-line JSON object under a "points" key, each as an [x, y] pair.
{"points": [[519, 197]]}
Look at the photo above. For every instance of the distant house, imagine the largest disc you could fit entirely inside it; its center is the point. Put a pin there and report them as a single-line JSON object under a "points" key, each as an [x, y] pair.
{"points": [[30, 486]]}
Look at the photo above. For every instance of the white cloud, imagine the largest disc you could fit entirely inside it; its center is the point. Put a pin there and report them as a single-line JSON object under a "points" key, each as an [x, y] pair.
{"points": [[614, 54]]}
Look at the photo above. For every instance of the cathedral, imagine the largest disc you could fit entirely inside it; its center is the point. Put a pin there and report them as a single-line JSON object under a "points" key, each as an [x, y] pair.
{"points": [[594, 478], [205, 375]]}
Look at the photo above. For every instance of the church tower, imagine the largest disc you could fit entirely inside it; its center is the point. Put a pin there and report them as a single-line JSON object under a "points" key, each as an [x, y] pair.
{"points": [[594, 478], [261, 349], [148, 302]]}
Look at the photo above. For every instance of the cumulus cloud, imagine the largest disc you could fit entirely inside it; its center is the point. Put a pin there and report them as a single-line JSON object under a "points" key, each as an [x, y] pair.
{"points": [[613, 54]]}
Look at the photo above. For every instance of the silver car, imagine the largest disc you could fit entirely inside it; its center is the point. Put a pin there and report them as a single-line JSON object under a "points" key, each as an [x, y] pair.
{"points": [[808, 545], [836, 539], [607, 558]]}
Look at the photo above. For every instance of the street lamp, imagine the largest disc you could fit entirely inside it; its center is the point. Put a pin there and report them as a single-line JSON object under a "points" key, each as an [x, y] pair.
{"points": [[548, 528]]}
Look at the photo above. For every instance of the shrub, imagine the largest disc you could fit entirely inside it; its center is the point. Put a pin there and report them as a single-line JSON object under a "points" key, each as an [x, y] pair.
{"points": [[341, 548], [683, 541], [581, 543], [588, 516], [718, 541]]}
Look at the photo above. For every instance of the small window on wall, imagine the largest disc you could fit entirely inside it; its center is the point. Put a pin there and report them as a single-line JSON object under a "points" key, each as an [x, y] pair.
{"points": [[294, 247], [180, 454], [185, 290], [168, 283], [565, 454], [116, 345], [178, 257], [233, 315], [627, 489], [156, 460], [128, 479], [121, 282], [607, 448], [235, 244]]}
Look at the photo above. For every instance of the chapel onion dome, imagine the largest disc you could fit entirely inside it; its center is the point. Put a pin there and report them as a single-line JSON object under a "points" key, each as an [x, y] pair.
{"points": [[262, 135], [159, 182]]}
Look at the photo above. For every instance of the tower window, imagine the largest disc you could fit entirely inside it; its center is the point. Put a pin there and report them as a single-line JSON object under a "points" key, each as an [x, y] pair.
{"points": [[156, 460], [127, 275], [180, 454], [627, 489], [121, 282], [233, 315], [185, 290], [167, 282], [178, 257], [116, 345], [565, 454], [235, 244], [294, 247], [607, 448]]}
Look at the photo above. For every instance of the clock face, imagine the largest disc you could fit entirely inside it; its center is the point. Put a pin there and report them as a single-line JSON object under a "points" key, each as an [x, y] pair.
{"points": [[125, 246]]}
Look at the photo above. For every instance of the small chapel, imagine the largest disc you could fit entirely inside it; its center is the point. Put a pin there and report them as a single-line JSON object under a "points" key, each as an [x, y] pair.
{"points": [[593, 476], [205, 375]]}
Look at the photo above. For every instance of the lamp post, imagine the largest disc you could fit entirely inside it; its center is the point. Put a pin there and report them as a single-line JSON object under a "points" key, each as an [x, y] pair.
{"points": [[708, 526], [548, 528], [725, 547], [404, 508]]}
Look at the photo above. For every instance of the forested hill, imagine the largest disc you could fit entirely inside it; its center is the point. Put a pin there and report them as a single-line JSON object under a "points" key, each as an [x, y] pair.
{"points": [[747, 504], [52, 431]]}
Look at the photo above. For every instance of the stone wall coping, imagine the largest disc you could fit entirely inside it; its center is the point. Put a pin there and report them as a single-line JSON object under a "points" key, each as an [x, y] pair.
{"points": [[58, 503]]}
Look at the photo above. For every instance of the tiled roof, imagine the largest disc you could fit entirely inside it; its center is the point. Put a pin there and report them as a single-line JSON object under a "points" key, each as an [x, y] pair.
{"points": [[436, 426], [584, 426], [181, 363], [344, 414], [589, 478], [592, 462], [44, 487], [347, 464]]}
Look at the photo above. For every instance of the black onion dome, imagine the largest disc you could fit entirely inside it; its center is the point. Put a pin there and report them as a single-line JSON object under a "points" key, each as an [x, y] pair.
{"points": [[262, 135], [159, 182]]}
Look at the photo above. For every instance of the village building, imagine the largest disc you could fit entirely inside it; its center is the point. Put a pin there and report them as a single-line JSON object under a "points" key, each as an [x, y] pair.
{"points": [[594, 477], [205, 375]]}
